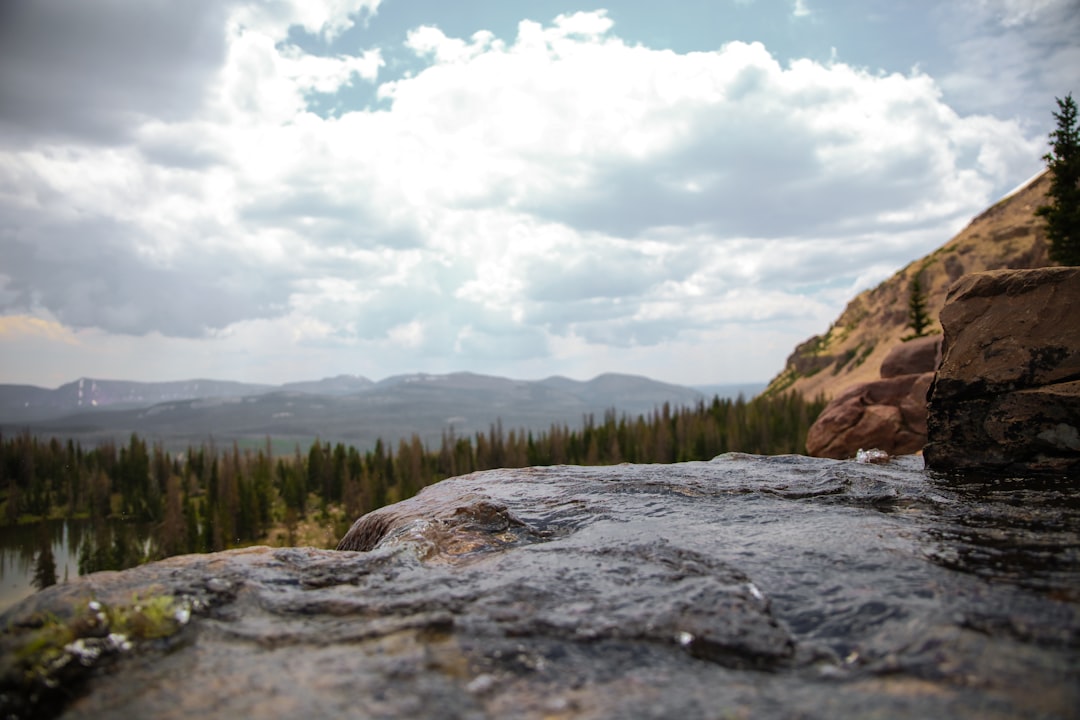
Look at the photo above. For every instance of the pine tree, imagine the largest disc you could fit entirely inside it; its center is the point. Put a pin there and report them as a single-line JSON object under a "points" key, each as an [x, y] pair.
{"points": [[211, 531], [173, 526], [1062, 215], [191, 525], [918, 318], [45, 565], [11, 508]]}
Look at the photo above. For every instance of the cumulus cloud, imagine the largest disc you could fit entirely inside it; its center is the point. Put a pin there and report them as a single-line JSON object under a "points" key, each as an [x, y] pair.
{"points": [[621, 139], [326, 18], [89, 272], [555, 193]]}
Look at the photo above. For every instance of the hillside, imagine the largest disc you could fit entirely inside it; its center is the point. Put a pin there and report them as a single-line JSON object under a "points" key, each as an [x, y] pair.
{"points": [[1007, 235]]}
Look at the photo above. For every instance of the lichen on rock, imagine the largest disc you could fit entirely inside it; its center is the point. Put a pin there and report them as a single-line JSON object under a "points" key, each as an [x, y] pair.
{"points": [[49, 654]]}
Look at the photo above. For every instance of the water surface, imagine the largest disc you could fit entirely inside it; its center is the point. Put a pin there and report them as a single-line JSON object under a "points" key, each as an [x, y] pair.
{"points": [[22, 548]]}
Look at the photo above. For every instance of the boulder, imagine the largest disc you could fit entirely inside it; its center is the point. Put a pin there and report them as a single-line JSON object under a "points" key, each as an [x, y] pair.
{"points": [[887, 414], [917, 356], [1007, 395], [741, 587]]}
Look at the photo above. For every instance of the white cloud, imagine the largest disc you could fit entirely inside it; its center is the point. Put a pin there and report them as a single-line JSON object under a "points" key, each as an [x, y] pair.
{"points": [[585, 24], [328, 18], [560, 197], [620, 139]]}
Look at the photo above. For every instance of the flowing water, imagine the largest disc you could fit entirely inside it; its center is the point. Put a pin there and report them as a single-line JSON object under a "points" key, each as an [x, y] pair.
{"points": [[786, 587], [880, 577]]}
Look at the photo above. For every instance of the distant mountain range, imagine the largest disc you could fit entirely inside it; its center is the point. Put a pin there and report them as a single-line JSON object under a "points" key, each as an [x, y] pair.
{"points": [[347, 408]]}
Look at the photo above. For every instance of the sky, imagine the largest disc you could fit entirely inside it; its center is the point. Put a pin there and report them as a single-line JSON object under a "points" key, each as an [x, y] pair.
{"points": [[281, 190]]}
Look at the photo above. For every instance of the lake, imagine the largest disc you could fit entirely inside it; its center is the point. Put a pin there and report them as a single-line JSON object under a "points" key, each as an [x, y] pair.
{"points": [[21, 547]]}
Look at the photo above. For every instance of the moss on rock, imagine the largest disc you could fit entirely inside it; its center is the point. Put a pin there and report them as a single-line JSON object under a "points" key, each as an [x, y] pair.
{"points": [[47, 655]]}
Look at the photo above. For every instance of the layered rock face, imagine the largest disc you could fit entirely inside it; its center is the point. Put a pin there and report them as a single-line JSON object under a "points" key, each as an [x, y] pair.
{"points": [[887, 414], [1007, 395], [742, 587]]}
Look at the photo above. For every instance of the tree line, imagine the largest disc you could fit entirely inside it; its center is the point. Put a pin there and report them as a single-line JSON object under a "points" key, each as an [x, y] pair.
{"points": [[209, 498]]}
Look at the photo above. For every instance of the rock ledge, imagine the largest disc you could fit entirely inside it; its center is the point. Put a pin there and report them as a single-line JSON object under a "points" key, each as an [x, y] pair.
{"points": [[1006, 398]]}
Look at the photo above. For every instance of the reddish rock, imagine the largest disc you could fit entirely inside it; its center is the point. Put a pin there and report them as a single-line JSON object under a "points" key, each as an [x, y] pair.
{"points": [[888, 414], [920, 355], [1007, 395]]}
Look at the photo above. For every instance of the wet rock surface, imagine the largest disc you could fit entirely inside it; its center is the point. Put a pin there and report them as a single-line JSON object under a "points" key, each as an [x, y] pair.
{"points": [[1007, 395], [774, 587]]}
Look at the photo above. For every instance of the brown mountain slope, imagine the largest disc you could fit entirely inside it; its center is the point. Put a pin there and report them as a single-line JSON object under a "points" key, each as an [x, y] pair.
{"points": [[1007, 235]]}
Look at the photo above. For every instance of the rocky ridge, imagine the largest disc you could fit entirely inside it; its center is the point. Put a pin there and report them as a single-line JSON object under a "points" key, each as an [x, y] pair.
{"points": [[1007, 235]]}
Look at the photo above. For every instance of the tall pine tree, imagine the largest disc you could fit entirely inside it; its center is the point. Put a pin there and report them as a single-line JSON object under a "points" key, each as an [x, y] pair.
{"points": [[1062, 215], [918, 317]]}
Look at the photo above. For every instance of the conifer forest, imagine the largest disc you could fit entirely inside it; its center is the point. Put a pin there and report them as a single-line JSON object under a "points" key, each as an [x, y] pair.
{"points": [[210, 498]]}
